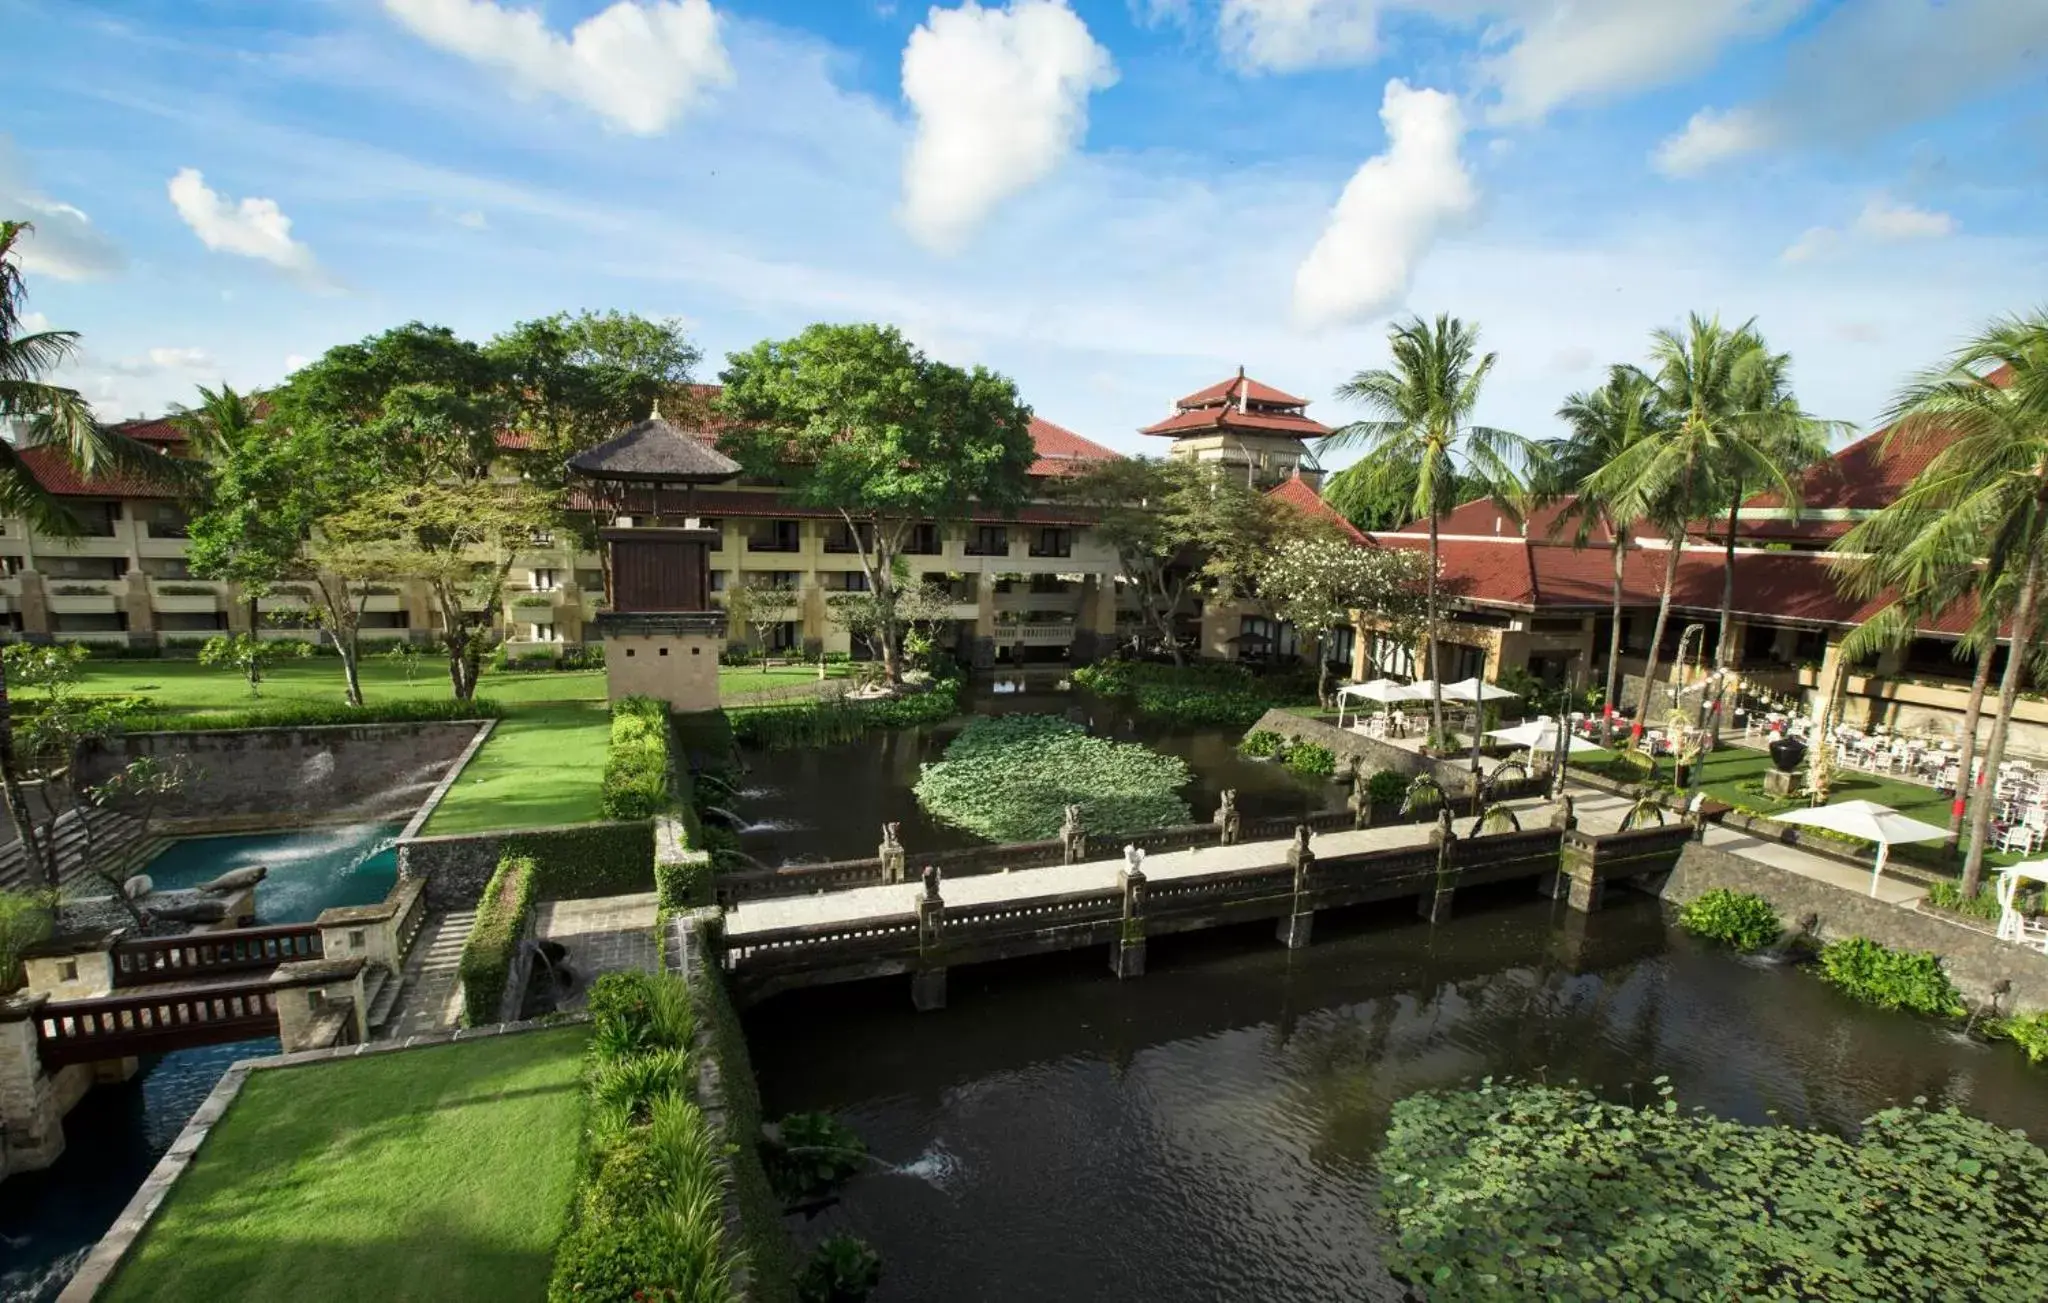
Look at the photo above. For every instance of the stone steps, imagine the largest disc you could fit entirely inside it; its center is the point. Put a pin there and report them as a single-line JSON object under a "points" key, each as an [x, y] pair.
{"points": [[426, 997], [119, 841]]}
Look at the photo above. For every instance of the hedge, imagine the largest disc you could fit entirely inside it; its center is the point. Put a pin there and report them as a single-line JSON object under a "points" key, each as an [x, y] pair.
{"points": [[585, 860], [823, 723], [309, 714], [494, 937], [636, 767]]}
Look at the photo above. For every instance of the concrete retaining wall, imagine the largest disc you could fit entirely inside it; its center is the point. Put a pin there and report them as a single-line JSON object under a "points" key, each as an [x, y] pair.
{"points": [[289, 777], [1373, 755], [1976, 961]]}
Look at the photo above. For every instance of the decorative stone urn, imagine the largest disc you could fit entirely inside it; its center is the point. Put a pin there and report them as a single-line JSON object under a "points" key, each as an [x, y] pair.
{"points": [[1788, 753]]}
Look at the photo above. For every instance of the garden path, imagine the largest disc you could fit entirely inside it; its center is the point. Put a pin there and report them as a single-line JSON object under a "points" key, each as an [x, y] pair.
{"points": [[431, 998], [606, 934]]}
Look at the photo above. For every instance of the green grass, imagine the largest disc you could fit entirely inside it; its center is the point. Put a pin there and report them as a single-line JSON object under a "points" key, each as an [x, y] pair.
{"points": [[441, 1173], [542, 766]]}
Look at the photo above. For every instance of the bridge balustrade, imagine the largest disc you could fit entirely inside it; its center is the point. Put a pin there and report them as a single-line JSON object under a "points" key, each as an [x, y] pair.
{"points": [[120, 1026], [204, 956]]}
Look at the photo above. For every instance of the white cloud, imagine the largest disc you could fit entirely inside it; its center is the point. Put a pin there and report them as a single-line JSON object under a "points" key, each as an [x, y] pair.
{"points": [[1001, 97], [640, 65], [1869, 68], [34, 323], [1389, 214], [1570, 50], [65, 243], [1708, 138], [473, 219], [253, 228], [159, 361], [293, 361], [1882, 221], [1289, 35], [1163, 13]]}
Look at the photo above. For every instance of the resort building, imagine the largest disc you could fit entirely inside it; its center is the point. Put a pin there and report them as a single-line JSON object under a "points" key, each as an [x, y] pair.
{"points": [[1247, 428]]}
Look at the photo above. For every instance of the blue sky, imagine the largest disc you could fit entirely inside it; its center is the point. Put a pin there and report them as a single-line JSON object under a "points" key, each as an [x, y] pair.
{"points": [[1113, 201]]}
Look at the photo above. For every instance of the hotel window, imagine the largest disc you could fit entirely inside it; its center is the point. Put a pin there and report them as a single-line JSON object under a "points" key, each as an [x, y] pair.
{"points": [[988, 540], [845, 581], [1048, 584], [545, 633], [923, 540], [781, 581], [1053, 542], [719, 579], [546, 581], [774, 536], [838, 538]]}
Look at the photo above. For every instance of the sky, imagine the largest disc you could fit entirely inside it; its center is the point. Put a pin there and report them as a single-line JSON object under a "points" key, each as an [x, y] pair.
{"points": [[1114, 202]]}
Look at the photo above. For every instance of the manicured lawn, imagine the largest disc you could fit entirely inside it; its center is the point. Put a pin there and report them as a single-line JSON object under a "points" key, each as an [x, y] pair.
{"points": [[542, 765], [178, 685], [441, 1173]]}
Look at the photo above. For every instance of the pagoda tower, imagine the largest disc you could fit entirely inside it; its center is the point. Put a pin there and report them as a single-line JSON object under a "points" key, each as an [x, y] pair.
{"points": [[1247, 428]]}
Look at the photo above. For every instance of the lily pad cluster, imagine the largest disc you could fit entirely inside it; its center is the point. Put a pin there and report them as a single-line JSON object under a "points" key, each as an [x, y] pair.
{"points": [[1011, 777]]}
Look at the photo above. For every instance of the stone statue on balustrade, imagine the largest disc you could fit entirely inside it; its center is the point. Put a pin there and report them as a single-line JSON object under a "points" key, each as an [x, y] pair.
{"points": [[1073, 837], [1226, 820]]}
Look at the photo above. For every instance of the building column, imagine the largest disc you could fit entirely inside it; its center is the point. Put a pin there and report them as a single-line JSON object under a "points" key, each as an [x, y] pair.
{"points": [[1095, 623], [36, 625], [141, 613], [984, 621], [813, 617]]}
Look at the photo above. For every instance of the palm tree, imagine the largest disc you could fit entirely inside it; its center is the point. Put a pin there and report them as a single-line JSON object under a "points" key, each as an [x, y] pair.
{"points": [[1419, 431], [1760, 402], [221, 423], [1605, 423], [42, 414], [1981, 505], [1711, 380]]}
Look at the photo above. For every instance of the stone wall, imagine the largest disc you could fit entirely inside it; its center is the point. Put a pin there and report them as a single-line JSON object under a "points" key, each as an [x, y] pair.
{"points": [[288, 777], [1373, 755], [574, 861], [1976, 961]]}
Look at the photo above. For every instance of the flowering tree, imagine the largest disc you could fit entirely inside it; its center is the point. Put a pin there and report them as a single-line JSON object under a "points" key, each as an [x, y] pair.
{"points": [[1316, 583]]}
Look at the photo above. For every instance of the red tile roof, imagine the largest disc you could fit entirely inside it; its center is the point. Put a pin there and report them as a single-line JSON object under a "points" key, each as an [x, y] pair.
{"points": [[154, 429], [1295, 492], [767, 504], [1062, 452], [54, 471], [1238, 386], [1483, 517]]}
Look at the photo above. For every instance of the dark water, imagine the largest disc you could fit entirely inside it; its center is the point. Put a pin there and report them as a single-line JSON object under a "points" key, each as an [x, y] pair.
{"points": [[49, 1220], [1209, 1131], [830, 803]]}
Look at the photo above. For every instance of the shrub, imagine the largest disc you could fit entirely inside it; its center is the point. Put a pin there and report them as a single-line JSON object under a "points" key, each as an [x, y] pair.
{"points": [[1198, 695], [1738, 919], [634, 1012], [636, 766], [1983, 906], [1011, 777], [494, 939], [1312, 760], [682, 881], [1514, 1191], [823, 723], [842, 1269], [1261, 744], [810, 1155], [1387, 787], [2028, 1031], [24, 920], [1890, 979]]}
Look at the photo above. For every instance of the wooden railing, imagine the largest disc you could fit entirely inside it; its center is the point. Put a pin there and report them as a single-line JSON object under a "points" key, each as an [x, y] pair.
{"points": [[122, 1026], [205, 956]]}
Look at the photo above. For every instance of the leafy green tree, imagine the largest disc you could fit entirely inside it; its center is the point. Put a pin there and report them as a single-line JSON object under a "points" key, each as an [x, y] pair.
{"points": [[859, 420], [1179, 530], [1316, 583], [459, 540], [41, 414], [1605, 423], [249, 654], [1723, 435], [1420, 429], [1376, 504], [576, 380], [1981, 505], [760, 608]]}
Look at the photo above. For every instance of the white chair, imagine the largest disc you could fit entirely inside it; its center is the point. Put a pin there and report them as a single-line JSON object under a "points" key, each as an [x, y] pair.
{"points": [[2013, 925], [2020, 836]]}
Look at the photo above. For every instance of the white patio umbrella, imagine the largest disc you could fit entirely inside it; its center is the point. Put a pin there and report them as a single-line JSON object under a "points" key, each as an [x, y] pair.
{"points": [[1475, 690], [1384, 691], [1540, 734], [1870, 821]]}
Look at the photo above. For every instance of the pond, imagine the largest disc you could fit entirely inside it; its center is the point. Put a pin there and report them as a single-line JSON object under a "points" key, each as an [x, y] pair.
{"points": [[49, 1220], [1210, 1131], [829, 803]]}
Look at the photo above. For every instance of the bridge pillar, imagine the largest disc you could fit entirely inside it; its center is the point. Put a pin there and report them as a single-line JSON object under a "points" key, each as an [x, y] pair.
{"points": [[31, 1111], [319, 1003], [1435, 903], [1127, 955], [1299, 920], [1578, 877], [928, 979]]}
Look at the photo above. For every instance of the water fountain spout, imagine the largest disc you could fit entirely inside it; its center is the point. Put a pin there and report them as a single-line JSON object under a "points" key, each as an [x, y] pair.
{"points": [[725, 816]]}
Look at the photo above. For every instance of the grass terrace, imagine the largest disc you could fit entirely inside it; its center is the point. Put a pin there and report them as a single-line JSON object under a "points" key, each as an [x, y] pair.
{"points": [[442, 1173]]}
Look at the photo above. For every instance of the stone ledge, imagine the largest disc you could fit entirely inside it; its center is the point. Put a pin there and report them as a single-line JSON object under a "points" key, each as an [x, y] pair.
{"points": [[434, 798]]}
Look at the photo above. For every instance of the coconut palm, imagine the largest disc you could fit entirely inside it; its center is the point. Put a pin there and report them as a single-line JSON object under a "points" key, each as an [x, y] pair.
{"points": [[47, 415], [1605, 422], [1419, 430], [1722, 433], [1981, 505]]}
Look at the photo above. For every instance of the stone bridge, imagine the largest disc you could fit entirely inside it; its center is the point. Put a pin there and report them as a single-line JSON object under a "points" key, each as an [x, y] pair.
{"points": [[923, 928]]}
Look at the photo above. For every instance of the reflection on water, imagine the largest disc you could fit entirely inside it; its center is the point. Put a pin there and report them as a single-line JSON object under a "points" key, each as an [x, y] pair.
{"points": [[1209, 1131], [829, 803], [49, 1220]]}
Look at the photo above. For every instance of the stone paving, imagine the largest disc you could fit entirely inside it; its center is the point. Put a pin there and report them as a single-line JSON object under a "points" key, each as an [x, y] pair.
{"points": [[608, 934], [431, 998]]}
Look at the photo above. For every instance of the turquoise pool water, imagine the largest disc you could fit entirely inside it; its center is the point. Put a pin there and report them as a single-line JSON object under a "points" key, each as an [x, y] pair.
{"points": [[49, 1220], [310, 871]]}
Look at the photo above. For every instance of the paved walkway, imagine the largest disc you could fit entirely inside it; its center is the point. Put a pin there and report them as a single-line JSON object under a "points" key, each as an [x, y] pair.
{"points": [[609, 934], [431, 998]]}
